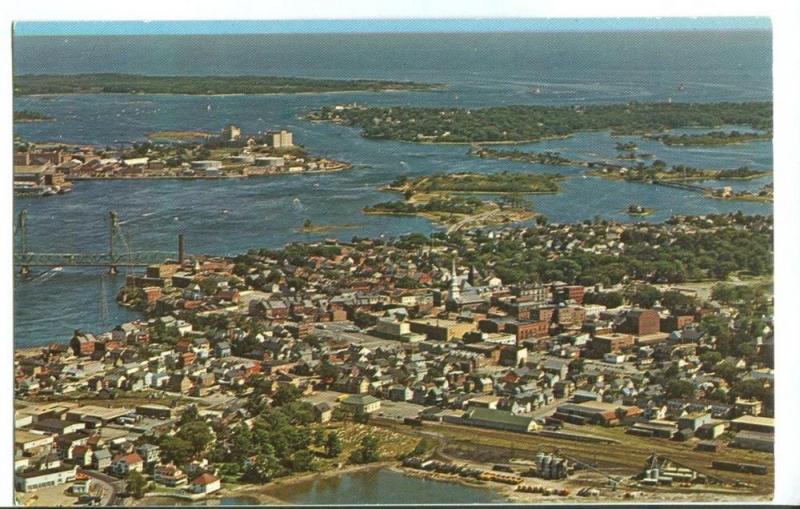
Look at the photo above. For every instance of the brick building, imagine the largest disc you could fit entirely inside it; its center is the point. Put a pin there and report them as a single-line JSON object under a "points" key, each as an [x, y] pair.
{"points": [[639, 322]]}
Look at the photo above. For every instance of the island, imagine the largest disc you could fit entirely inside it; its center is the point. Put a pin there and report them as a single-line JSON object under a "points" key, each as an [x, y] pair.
{"points": [[23, 116], [177, 135], [764, 195], [712, 138], [447, 200], [639, 210], [310, 227], [681, 176], [525, 124], [50, 84], [658, 171], [548, 158]]}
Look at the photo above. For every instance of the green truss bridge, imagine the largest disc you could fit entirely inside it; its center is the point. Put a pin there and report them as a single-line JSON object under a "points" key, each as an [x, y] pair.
{"points": [[119, 253]]}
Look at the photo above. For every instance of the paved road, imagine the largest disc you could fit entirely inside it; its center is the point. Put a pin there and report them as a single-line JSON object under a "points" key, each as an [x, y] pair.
{"points": [[112, 486], [471, 219]]}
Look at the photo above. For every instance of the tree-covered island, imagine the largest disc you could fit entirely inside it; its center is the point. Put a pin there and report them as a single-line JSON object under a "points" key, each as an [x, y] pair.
{"points": [[549, 158], [711, 138], [659, 171], [43, 84], [516, 124], [446, 199]]}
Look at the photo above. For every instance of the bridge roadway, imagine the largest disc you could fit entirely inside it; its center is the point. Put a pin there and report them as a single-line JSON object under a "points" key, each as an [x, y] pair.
{"points": [[136, 259]]}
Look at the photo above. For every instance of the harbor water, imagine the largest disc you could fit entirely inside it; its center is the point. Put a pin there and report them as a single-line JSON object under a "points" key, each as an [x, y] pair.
{"points": [[226, 217]]}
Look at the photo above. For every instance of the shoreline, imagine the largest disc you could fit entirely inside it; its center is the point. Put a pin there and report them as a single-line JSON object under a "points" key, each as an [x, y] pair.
{"points": [[219, 177], [237, 94], [265, 493]]}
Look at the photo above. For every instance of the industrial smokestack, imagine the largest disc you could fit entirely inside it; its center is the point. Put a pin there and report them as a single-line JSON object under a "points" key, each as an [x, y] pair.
{"points": [[180, 249]]}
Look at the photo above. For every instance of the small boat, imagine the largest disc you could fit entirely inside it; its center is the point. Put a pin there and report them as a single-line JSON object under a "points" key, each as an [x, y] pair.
{"points": [[537, 91], [224, 211], [209, 107]]}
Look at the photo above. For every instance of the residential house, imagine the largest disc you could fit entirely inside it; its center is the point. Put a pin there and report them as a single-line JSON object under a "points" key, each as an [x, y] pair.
{"points": [[122, 464], [205, 483]]}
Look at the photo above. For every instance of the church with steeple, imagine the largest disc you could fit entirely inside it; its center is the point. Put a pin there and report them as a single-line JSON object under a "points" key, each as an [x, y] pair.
{"points": [[462, 294]]}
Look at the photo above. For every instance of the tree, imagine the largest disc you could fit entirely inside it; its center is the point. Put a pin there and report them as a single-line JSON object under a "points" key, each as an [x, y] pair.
{"points": [[727, 371], [191, 414], [263, 468], [710, 358], [241, 442], [749, 389], [368, 452], [679, 389], [644, 296], [136, 484], [197, 433], [286, 394], [302, 461], [175, 450], [319, 437], [333, 446], [676, 301], [421, 448]]}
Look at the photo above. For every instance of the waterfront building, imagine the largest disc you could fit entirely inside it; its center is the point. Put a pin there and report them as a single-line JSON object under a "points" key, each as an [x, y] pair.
{"points": [[169, 475], [280, 139], [205, 483], [231, 133], [54, 476], [206, 165], [269, 162]]}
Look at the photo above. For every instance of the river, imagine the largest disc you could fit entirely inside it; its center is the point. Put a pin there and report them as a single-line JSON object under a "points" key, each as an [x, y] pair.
{"points": [[488, 69]]}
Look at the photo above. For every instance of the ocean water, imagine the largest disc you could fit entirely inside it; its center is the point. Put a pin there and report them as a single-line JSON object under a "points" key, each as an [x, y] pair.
{"points": [[478, 69]]}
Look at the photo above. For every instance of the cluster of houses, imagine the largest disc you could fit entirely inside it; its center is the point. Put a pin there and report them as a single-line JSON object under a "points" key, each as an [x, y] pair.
{"points": [[64, 442], [455, 346], [55, 165]]}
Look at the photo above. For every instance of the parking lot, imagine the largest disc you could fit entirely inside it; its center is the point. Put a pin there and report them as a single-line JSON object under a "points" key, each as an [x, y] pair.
{"points": [[348, 331]]}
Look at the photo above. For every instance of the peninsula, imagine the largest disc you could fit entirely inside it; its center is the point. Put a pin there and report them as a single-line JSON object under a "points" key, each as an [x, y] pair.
{"points": [[47, 84], [44, 170], [518, 124]]}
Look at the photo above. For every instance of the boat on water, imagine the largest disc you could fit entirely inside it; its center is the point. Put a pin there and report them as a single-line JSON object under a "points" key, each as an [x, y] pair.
{"points": [[33, 189]]}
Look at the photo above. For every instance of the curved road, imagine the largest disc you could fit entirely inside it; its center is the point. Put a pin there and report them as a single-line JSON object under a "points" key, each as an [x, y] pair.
{"points": [[111, 487]]}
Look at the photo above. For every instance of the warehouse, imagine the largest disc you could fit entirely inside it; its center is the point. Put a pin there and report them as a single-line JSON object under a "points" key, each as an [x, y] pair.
{"points": [[495, 419]]}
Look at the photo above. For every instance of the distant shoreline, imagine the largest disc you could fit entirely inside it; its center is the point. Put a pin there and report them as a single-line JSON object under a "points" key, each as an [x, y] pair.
{"points": [[142, 84]]}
